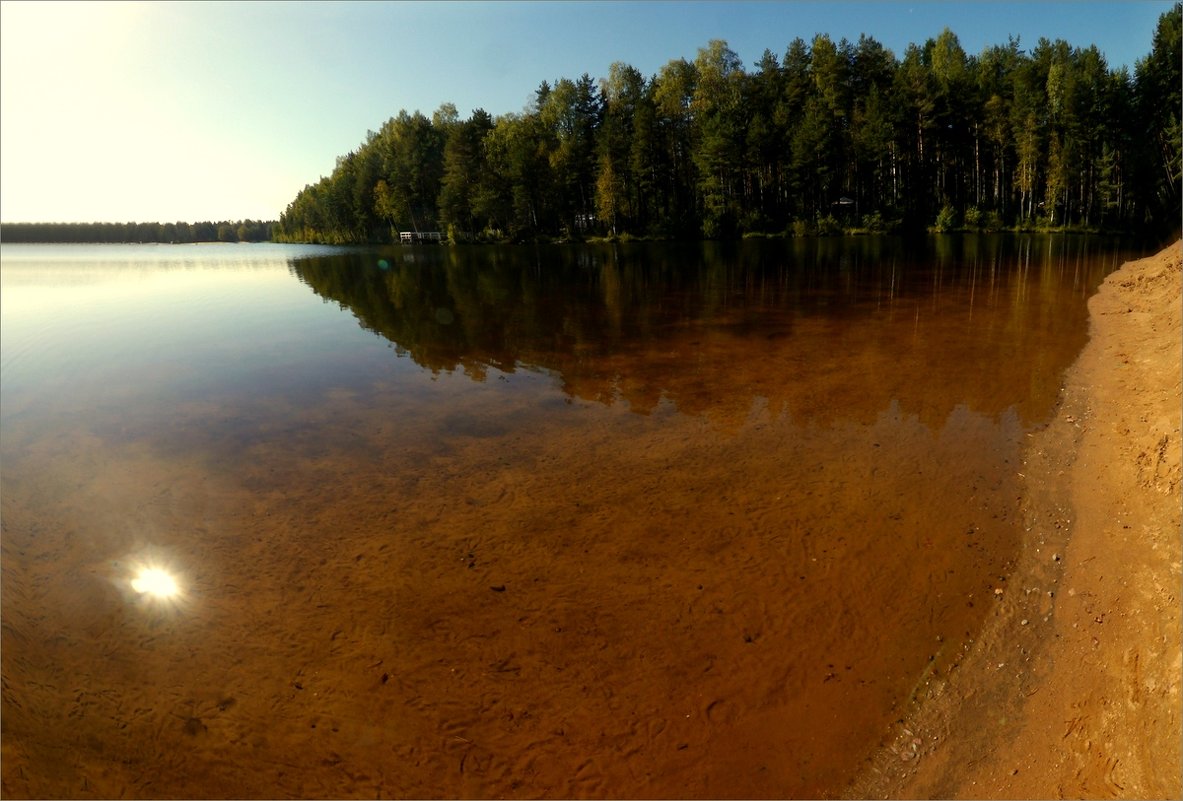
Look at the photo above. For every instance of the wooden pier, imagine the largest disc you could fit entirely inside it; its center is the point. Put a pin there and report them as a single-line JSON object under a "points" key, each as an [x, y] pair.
{"points": [[417, 237]]}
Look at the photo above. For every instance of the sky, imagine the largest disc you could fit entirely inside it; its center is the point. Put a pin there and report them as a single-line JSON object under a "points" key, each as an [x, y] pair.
{"points": [[178, 111]]}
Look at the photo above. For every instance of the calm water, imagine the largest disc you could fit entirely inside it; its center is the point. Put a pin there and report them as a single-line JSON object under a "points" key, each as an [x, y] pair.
{"points": [[643, 521]]}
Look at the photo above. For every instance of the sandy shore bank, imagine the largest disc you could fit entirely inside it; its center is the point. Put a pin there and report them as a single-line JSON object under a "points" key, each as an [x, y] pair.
{"points": [[1073, 689]]}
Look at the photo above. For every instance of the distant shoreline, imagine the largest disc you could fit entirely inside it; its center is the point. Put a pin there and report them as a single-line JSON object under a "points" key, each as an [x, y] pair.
{"points": [[99, 233], [15, 233]]}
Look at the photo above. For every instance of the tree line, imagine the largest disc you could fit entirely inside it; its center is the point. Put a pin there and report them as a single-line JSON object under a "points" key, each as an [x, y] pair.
{"points": [[829, 136], [178, 232]]}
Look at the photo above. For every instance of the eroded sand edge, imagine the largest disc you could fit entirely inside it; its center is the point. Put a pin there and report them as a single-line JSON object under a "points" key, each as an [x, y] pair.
{"points": [[1073, 688]]}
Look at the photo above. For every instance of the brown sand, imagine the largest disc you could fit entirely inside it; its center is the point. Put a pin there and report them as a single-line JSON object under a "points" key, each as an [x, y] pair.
{"points": [[1073, 688]]}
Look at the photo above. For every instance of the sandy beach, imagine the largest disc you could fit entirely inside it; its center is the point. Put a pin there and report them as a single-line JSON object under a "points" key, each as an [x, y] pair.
{"points": [[1072, 690]]}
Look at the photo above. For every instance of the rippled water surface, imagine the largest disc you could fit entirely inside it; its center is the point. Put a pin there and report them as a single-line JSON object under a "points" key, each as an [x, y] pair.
{"points": [[614, 521]]}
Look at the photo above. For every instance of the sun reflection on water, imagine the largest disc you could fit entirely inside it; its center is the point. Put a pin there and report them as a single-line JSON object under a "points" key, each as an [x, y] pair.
{"points": [[154, 583]]}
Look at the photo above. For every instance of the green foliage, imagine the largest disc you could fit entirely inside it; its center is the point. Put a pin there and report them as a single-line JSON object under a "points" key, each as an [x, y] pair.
{"points": [[874, 223], [798, 228], [946, 219], [1048, 135], [1157, 110], [828, 226]]}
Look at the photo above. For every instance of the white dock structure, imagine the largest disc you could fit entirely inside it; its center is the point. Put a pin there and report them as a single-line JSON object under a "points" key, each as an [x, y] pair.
{"points": [[415, 237]]}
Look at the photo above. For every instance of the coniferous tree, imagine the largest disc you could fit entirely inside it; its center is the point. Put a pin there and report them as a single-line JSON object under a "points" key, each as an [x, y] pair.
{"points": [[1053, 136]]}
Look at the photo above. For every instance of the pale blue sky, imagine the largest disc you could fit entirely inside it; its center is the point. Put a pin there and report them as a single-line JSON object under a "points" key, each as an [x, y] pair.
{"points": [[193, 111]]}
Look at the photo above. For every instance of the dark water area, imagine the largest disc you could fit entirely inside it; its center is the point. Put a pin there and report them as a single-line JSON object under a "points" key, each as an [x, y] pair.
{"points": [[612, 521], [600, 317]]}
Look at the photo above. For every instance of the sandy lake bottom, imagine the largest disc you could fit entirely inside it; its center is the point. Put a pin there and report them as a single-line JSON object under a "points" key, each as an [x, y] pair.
{"points": [[719, 560]]}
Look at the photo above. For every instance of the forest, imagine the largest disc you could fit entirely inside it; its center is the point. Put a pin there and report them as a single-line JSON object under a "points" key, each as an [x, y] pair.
{"points": [[830, 137], [109, 232]]}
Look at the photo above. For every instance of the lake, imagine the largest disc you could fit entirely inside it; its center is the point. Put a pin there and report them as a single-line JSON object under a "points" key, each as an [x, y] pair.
{"points": [[645, 520]]}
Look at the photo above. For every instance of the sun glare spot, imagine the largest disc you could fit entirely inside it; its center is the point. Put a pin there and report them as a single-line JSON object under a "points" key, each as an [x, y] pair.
{"points": [[156, 582]]}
